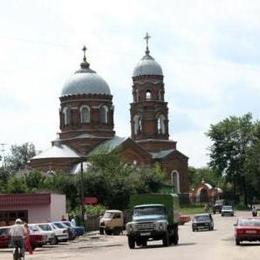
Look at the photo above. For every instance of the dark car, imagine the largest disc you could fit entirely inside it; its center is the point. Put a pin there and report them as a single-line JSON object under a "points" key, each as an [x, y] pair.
{"points": [[247, 229], [217, 207], [202, 221], [78, 230]]}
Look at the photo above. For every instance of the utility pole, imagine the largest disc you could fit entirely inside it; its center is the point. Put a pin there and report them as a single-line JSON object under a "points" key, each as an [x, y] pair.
{"points": [[82, 194]]}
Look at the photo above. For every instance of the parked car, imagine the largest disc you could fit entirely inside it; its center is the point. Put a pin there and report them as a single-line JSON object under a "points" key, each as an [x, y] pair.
{"points": [[217, 206], [61, 234], [60, 225], [4, 237], [202, 221], [50, 235], [78, 230], [247, 229], [37, 240], [227, 210]]}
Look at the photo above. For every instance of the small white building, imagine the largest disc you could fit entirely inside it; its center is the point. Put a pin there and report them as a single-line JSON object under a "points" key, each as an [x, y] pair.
{"points": [[31, 207]]}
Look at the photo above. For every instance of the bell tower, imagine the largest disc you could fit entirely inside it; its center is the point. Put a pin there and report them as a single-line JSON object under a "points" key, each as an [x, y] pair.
{"points": [[149, 111]]}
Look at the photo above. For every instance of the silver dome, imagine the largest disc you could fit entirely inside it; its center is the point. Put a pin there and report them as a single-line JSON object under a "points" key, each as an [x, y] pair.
{"points": [[147, 66], [85, 81]]}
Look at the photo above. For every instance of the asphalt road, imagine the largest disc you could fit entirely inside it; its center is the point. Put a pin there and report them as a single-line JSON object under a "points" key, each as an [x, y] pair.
{"points": [[217, 244]]}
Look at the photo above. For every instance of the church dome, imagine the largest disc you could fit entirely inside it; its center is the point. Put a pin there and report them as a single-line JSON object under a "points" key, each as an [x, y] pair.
{"points": [[147, 65], [85, 81]]}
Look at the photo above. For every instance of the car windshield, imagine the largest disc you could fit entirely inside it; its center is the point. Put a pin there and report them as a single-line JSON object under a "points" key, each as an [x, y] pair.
{"points": [[4, 231], [34, 228], [108, 215], [58, 225], [249, 222], [68, 224], [151, 210], [45, 227], [202, 218], [227, 207]]}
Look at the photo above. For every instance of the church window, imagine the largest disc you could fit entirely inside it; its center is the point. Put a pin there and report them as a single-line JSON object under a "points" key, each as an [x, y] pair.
{"points": [[84, 114], [137, 95], [148, 95], [67, 116], [175, 180], [137, 124], [160, 95], [161, 124], [104, 114]]}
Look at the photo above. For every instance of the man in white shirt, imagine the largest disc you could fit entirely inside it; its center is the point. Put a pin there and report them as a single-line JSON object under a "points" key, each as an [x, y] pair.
{"points": [[17, 233]]}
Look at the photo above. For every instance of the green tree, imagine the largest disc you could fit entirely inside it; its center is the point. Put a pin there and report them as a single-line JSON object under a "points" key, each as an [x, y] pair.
{"points": [[20, 155], [228, 153], [196, 175]]}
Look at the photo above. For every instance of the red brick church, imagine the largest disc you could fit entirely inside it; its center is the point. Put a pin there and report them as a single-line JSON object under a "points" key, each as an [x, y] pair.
{"points": [[87, 124]]}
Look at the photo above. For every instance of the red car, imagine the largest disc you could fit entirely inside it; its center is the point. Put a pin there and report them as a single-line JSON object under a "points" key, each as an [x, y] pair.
{"points": [[247, 229], [37, 240]]}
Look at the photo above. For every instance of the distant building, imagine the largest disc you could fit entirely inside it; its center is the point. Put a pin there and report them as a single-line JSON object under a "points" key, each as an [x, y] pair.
{"points": [[87, 124], [31, 207], [205, 193]]}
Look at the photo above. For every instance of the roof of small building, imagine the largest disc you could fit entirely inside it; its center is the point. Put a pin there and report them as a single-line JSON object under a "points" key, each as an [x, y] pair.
{"points": [[162, 154], [58, 151], [108, 146]]}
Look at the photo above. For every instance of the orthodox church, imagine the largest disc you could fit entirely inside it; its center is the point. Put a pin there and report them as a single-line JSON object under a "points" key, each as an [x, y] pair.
{"points": [[87, 124]]}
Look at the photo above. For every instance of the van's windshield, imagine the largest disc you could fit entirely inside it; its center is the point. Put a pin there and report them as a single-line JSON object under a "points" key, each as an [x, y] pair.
{"points": [[151, 210]]}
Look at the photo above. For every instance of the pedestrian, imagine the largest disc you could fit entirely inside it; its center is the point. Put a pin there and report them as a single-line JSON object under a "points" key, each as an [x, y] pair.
{"points": [[73, 221], [27, 241], [63, 218]]}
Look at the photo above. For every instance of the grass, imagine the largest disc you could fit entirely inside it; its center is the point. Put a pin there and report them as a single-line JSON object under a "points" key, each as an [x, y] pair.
{"points": [[192, 210]]}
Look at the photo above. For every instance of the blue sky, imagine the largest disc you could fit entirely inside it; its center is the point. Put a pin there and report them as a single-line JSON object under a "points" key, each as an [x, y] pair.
{"points": [[209, 52]]}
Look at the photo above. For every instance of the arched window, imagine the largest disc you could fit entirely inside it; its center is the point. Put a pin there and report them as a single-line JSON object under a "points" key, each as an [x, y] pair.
{"points": [[67, 116], [160, 95], [84, 114], [175, 180], [137, 95], [137, 124], [161, 124], [104, 114], [148, 95]]}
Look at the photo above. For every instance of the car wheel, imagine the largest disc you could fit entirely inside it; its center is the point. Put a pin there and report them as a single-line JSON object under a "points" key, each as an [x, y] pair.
{"points": [[176, 238], [144, 243], [165, 240], [237, 242], [131, 242]]}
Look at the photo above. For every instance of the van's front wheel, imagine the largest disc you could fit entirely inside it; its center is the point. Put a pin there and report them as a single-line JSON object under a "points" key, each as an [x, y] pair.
{"points": [[131, 242]]}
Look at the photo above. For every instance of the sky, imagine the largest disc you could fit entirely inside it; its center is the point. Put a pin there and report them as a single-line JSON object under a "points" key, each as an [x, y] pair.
{"points": [[208, 50]]}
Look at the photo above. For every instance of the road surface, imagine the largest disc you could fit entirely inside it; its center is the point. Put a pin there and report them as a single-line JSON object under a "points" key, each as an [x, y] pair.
{"points": [[203, 245]]}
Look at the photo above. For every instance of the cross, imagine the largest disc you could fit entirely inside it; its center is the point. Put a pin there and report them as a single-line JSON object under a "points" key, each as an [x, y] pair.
{"points": [[84, 51], [147, 37]]}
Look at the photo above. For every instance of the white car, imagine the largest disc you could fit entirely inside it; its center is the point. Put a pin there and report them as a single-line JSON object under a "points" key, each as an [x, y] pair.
{"points": [[227, 210], [61, 234], [51, 239], [35, 230]]}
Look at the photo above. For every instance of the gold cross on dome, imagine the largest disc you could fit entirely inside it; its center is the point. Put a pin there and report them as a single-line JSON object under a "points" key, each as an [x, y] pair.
{"points": [[84, 51]]}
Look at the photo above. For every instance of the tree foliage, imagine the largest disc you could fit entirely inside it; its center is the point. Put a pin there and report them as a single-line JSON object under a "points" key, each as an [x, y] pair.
{"points": [[20, 155], [235, 140]]}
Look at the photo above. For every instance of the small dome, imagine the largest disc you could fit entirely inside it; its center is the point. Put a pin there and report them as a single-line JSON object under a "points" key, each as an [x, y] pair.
{"points": [[147, 66], [85, 81]]}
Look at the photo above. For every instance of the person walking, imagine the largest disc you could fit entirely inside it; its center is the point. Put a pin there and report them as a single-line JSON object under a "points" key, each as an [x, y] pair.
{"points": [[27, 241]]}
